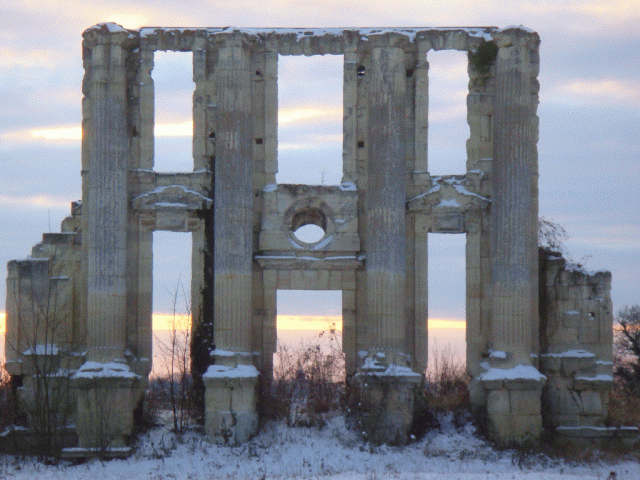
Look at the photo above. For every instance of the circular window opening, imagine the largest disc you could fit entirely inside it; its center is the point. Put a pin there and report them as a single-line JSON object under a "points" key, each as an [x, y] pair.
{"points": [[309, 233]]}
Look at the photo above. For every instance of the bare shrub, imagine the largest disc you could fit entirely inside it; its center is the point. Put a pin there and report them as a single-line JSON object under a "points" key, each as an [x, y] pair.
{"points": [[9, 413], [624, 407], [447, 383], [446, 390], [308, 381], [45, 346], [627, 343], [175, 381]]}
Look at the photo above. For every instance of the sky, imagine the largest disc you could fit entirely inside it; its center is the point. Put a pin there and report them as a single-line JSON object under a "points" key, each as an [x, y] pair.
{"points": [[589, 147]]}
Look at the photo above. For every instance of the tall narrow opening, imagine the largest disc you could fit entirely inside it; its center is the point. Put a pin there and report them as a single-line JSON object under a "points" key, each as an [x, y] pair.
{"points": [[308, 319], [447, 300], [173, 134], [171, 300], [310, 119], [448, 127]]}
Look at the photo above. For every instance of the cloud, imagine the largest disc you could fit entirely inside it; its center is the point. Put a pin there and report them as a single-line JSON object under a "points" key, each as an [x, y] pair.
{"points": [[621, 91], [33, 201], [293, 115], [309, 322]]}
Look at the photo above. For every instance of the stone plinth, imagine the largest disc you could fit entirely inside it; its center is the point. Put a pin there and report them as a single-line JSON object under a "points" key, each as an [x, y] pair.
{"points": [[107, 396], [513, 403], [384, 401], [231, 416]]}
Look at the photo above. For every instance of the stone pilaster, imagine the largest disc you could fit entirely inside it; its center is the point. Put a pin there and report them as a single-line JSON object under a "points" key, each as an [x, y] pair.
{"points": [[514, 209], [385, 201], [230, 399], [233, 240], [105, 195], [513, 385]]}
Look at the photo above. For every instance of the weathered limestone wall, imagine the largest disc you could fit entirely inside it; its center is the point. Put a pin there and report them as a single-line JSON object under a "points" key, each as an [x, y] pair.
{"points": [[376, 226], [576, 341]]}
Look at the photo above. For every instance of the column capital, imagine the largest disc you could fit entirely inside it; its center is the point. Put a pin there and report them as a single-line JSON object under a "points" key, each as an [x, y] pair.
{"points": [[516, 37], [109, 34]]}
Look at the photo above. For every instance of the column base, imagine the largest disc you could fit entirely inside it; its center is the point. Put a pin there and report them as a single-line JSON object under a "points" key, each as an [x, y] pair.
{"points": [[383, 400], [107, 394], [231, 416]]}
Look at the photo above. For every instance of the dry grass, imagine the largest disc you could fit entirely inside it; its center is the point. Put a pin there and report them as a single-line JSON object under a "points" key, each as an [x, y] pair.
{"points": [[624, 402], [447, 386], [308, 381]]}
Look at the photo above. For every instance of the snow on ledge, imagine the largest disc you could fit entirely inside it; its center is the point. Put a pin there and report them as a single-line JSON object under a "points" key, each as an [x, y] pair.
{"points": [[596, 378], [498, 354], [570, 354], [519, 372], [46, 349]]}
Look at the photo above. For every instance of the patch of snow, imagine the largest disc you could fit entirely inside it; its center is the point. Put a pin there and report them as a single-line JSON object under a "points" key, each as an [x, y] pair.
{"points": [[596, 378], [45, 349], [222, 353], [570, 353], [519, 372], [449, 203], [104, 370], [323, 243], [333, 452], [294, 244], [498, 354], [348, 187]]}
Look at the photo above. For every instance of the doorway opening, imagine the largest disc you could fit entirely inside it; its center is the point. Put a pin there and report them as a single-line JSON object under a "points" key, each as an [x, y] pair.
{"points": [[310, 119], [447, 303], [173, 133], [448, 127], [171, 302], [308, 367]]}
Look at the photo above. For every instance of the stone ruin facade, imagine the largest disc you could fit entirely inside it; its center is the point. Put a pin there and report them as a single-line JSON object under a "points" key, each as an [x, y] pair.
{"points": [[529, 364]]}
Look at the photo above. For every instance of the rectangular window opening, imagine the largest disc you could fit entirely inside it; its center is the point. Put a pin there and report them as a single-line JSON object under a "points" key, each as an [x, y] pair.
{"points": [[173, 133], [447, 303], [310, 119], [309, 333], [171, 301], [448, 127]]}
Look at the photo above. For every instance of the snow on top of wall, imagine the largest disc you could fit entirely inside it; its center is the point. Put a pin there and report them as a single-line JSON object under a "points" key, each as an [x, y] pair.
{"points": [[223, 371], [104, 370], [519, 372], [517, 27], [301, 33]]}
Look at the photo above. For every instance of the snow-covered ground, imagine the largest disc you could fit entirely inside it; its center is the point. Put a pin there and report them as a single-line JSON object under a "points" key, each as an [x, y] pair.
{"points": [[333, 452]]}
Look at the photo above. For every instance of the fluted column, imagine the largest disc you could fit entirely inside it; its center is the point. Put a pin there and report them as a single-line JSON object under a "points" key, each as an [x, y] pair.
{"points": [[233, 213], [105, 195], [514, 209], [385, 202]]}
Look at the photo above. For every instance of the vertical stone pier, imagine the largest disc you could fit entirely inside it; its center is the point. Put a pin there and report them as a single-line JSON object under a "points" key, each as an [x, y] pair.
{"points": [[107, 389], [513, 383], [385, 380], [231, 415]]}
